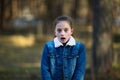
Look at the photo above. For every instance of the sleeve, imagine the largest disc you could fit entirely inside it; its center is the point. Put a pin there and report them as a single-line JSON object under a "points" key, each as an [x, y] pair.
{"points": [[45, 68], [81, 64]]}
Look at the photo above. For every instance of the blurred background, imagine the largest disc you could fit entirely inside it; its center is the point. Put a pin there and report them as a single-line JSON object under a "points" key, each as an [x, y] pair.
{"points": [[25, 26]]}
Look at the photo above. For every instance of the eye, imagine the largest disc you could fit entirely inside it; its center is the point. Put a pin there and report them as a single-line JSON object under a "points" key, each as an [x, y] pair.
{"points": [[66, 30], [59, 30]]}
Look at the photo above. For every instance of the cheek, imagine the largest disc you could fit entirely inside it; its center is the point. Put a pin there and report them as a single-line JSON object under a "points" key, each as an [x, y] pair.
{"points": [[69, 33], [56, 33]]}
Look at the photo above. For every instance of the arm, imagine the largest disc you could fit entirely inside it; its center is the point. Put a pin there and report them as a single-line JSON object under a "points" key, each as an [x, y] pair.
{"points": [[45, 68], [81, 64]]}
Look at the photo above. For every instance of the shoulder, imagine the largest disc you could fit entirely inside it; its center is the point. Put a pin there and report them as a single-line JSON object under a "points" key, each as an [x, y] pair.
{"points": [[80, 44], [50, 46], [50, 42]]}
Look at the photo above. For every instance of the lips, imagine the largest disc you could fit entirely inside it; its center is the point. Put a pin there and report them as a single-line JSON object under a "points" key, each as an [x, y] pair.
{"points": [[62, 38]]}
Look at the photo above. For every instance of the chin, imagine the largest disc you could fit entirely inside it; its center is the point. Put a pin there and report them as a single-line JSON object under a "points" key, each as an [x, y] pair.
{"points": [[64, 41]]}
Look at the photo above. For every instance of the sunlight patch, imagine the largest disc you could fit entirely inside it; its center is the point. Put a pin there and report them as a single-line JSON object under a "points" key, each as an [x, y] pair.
{"points": [[22, 41]]}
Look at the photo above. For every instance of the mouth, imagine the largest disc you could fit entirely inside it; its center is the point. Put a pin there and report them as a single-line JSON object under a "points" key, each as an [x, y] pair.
{"points": [[63, 38]]}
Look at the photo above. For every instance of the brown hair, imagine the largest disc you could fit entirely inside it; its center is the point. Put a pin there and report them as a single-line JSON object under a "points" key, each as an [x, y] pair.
{"points": [[64, 18]]}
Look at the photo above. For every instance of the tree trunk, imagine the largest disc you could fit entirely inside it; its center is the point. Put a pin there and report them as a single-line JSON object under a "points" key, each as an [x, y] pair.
{"points": [[1, 14], [75, 8], [102, 36], [54, 9], [5, 13]]}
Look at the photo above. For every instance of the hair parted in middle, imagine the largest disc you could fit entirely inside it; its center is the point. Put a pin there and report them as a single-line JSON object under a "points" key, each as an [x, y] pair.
{"points": [[63, 18]]}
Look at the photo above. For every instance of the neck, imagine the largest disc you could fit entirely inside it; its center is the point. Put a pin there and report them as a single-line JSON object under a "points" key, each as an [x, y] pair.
{"points": [[65, 43]]}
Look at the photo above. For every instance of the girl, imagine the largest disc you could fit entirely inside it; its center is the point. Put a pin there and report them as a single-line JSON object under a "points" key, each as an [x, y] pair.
{"points": [[63, 58]]}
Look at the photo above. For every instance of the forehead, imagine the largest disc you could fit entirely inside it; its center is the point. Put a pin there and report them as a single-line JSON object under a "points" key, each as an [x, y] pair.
{"points": [[63, 24]]}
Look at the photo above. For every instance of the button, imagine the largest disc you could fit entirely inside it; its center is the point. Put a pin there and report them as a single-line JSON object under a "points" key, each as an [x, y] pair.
{"points": [[65, 67], [60, 77], [64, 56], [66, 76]]}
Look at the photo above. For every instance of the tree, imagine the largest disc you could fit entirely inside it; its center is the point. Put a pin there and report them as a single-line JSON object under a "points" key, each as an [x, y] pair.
{"points": [[5, 13], [54, 8], [1, 13], [75, 9], [102, 35]]}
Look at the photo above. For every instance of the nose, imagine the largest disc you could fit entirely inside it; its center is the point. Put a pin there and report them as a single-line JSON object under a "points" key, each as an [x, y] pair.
{"points": [[62, 33]]}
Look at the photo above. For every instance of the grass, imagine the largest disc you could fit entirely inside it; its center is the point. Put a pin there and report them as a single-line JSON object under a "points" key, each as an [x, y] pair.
{"points": [[21, 60]]}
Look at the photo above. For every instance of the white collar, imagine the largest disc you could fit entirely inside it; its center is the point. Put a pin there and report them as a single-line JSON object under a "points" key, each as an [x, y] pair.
{"points": [[57, 43]]}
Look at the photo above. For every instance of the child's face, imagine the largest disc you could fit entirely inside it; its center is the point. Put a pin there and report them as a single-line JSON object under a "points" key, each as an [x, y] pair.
{"points": [[63, 31]]}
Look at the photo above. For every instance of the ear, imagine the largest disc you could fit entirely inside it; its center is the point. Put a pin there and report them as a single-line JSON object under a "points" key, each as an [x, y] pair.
{"points": [[54, 33], [72, 30]]}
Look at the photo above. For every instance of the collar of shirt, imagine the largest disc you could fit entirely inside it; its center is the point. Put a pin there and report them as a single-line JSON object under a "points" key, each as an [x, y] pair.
{"points": [[71, 42]]}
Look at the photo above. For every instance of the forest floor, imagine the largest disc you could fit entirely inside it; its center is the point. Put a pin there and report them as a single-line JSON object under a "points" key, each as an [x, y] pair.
{"points": [[20, 59]]}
